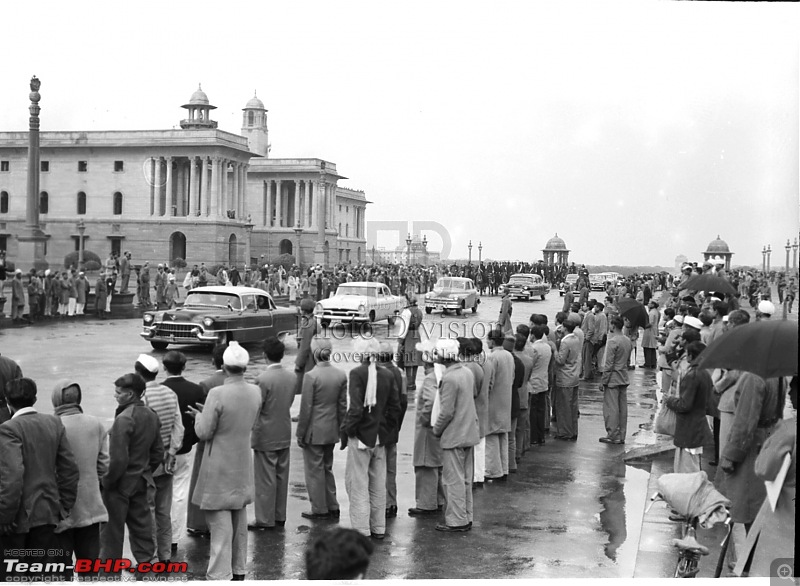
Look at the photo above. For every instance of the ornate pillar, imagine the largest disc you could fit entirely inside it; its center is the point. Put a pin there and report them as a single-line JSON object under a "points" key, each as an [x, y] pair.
{"points": [[169, 195], [319, 251], [152, 186], [223, 187], [193, 193], [296, 221], [243, 198], [278, 204], [203, 199], [309, 205], [235, 187], [157, 180]]}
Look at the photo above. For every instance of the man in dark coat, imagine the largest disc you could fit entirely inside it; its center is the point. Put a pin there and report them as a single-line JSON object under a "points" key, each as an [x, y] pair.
{"points": [[38, 476], [135, 451], [371, 418], [9, 370], [308, 329], [691, 427], [385, 360]]}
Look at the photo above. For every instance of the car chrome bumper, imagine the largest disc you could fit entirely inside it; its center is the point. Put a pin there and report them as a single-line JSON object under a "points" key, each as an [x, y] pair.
{"points": [[198, 336], [345, 319]]}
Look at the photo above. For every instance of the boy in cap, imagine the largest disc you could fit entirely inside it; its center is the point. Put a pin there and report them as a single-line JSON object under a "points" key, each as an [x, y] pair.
{"points": [[164, 402], [225, 485]]}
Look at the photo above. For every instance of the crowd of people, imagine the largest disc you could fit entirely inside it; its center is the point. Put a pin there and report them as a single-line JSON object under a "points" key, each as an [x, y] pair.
{"points": [[191, 456]]}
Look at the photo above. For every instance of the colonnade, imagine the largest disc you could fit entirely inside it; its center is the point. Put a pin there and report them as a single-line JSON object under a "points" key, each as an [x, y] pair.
{"points": [[198, 186], [289, 203]]}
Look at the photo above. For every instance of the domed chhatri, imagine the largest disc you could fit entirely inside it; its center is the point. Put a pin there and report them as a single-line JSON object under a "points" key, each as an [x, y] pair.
{"points": [[199, 111], [718, 249], [718, 245], [255, 104], [555, 251]]}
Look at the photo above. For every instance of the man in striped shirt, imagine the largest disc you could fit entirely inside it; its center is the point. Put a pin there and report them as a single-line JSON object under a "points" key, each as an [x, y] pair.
{"points": [[164, 402]]}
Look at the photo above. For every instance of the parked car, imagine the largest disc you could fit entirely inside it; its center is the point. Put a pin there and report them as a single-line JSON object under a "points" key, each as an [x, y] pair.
{"points": [[360, 302], [571, 279], [527, 285], [452, 293], [597, 282], [219, 314]]}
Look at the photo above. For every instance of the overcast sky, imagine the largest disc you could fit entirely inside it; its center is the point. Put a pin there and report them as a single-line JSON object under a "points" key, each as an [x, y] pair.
{"points": [[637, 131]]}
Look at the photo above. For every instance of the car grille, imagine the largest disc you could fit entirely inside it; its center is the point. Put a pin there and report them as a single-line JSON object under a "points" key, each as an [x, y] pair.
{"points": [[338, 312], [178, 330]]}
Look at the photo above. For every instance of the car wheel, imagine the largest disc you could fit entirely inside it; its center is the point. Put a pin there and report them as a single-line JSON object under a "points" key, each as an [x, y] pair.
{"points": [[159, 345], [460, 309], [428, 310]]}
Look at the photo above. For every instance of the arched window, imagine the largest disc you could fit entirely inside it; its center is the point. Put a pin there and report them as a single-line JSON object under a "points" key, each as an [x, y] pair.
{"points": [[44, 202], [285, 246], [117, 203], [232, 250], [3, 202], [250, 118], [177, 246], [81, 203]]}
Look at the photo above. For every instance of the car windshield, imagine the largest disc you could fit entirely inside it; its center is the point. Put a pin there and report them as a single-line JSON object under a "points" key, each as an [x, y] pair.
{"points": [[206, 299], [450, 284], [522, 279], [361, 290]]}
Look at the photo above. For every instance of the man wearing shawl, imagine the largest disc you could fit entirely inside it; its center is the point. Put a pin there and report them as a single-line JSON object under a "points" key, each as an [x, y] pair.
{"points": [[371, 417]]}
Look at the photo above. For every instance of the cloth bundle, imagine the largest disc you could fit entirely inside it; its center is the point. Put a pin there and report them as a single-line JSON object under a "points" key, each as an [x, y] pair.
{"points": [[693, 495]]}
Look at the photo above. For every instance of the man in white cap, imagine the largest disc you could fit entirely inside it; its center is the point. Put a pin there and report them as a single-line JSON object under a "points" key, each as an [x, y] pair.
{"points": [[371, 417], [456, 424], [17, 297], [225, 484], [692, 322], [322, 409], [164, 402], [765, 310]]}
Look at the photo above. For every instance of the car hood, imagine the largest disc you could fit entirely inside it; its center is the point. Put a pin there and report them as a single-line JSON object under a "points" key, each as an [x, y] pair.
{"points": [[185, 315], [345, 301], [446, 293]]}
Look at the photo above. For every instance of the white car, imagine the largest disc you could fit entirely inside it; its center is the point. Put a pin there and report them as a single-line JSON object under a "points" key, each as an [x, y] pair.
{"points": [[360, 302]]}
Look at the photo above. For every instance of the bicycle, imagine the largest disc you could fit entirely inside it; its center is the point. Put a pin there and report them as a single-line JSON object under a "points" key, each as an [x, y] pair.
{"points": [[698, 502]]}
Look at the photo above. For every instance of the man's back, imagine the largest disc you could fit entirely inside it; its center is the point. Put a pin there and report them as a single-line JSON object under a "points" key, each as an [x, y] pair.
{"points": [[273, 428], [365, 422], [134, 447], [323, 404], [188, 393], [38, 472]]}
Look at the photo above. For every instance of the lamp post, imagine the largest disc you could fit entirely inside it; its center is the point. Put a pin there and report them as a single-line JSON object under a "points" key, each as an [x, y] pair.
{"points": [[794, 256], [248, 227], [425, 249], [788, 249], [81, 232], [408, 251], [298, 230], [764, 259], [769, 253], [469, 246], [480, 252]]}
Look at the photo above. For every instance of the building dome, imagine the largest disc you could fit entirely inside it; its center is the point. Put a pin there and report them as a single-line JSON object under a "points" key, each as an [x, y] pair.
{"points": [[555, 243], [718, 245], [199, 97], [255, 104]]}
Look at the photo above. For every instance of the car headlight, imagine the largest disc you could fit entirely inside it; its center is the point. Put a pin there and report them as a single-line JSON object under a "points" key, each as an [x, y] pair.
{"points": [[318, 309], [148, 318], [362, 308], [208, 322]]}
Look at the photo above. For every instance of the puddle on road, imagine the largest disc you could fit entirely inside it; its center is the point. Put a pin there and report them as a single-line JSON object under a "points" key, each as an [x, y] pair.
{"points": [[623, 507]]}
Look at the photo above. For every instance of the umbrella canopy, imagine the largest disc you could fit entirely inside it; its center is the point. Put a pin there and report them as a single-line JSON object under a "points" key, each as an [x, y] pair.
{"points": [[708, 282], [634, 311], [765, 348]]}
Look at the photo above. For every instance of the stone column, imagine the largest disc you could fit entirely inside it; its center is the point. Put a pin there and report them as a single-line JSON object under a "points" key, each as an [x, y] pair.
{"points": [[278, 203], [296, 220], [243, 199], [193, 193], [309, 206], [169, 194], [235, 190], [202, 199], [223, 187], [152, 186], [215, 187], [319, 251], [267, 194], [159, 203], [181, 188]]}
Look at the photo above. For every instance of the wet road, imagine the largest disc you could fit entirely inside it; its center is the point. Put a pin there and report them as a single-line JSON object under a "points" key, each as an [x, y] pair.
{"points": [[573, 510]]}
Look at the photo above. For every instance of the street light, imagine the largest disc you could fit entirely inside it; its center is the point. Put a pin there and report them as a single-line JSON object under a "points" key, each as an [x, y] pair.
{"points": [[408, 251], [794, 256], [248, 226], [764, 260], [480, 250], [769, 252], [425, 249], [788, 249], [81, 231], [298, 230], [470, 252]]}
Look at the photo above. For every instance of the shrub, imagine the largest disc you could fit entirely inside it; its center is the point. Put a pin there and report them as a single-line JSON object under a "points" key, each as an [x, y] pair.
{"points": [[285, 260], [88, 256], [178, 263]]}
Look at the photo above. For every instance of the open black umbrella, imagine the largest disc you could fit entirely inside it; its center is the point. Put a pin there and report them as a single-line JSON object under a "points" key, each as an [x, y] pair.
{"points": [[634, 311], [708, 282], [765, 348]]}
